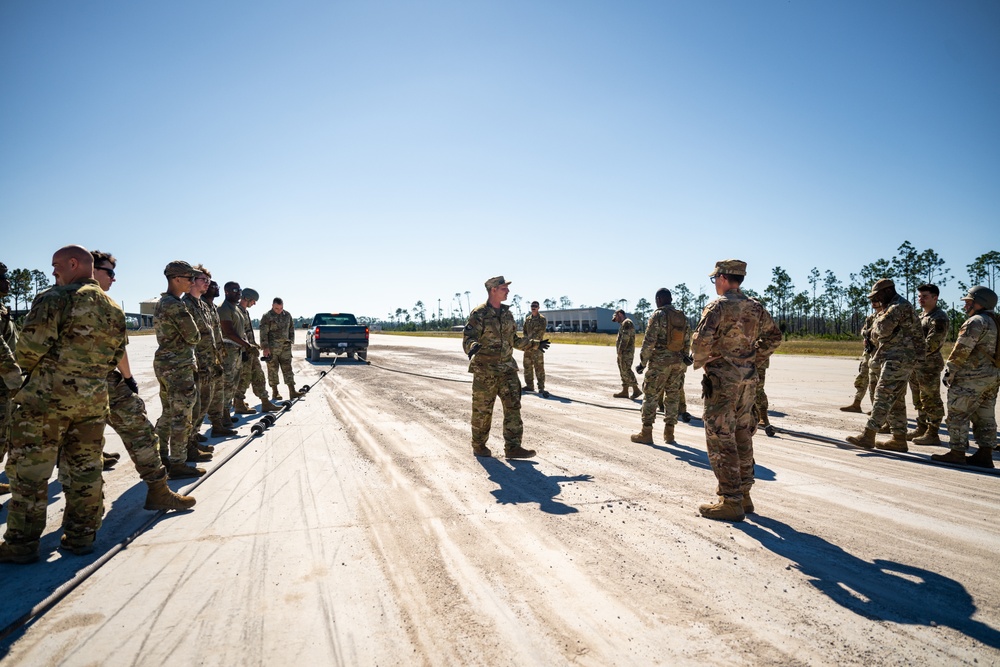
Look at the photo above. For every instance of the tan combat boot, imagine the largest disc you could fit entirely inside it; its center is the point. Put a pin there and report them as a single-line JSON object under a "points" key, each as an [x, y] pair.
{"points": [[920, 429], [182, 471], [18, 553], [194, 455], [268, 406], [518, 452], [853, 407], [275, 396], [866, 439], [292, 394], [622, 394], [481, 450], [240, 406], [983, 458], [726, 509], [4, 488], [956, 456], [747, 502], [885, 428], [897, 443], [636, 392], [930, 435], [668, 433], [645, 436], [160, 497]]}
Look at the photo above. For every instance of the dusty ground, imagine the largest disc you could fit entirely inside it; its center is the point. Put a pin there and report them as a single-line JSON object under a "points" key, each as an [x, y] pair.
{"points": [[360, 530]]}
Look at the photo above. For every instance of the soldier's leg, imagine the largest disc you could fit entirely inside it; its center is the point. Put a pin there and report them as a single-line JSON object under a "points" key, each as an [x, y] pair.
{"points": [[761, 398], [652, 391], [509, 389], [81, 461], [128, 419], [892, 381], [215, 408], [272, 370], [32, 453], [233, 367], [245, 376], [862, 380], [540, 369], [529, 371], [984, 420], [720, 436], [673, 382], [746, 425], [484, 394], [285, 360], [962, 401], [180, 387], [930, 394], [257, 378], [682, 404], [914, 384]]}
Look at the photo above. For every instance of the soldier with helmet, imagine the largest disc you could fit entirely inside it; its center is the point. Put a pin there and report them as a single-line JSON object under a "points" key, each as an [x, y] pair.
{"points": [[899, 343], [925, 383], [972, 377], [251, 373]]}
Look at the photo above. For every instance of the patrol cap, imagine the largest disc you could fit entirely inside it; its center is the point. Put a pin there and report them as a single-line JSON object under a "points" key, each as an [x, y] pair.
{"points": [[178, 268], [730, 267], [882, 284], [496, 282], [250, 294], [984, 296]]}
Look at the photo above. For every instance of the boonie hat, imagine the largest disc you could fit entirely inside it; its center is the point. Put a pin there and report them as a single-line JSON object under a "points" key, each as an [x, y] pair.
{"points": [[731, 267], [177, 268], [496, 282], [250, 294], [882, 284]]}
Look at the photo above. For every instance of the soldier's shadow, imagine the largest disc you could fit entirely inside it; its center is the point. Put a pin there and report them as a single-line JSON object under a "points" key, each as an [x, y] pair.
{"points": [[522, 482], [698, 458], [879, 590]]}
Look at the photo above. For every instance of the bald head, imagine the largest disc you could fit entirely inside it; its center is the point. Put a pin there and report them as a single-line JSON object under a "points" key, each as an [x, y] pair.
{"points": [[71, 264]]}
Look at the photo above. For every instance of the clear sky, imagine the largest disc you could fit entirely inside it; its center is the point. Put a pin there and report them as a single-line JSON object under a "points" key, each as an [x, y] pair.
{"points": [[360, 156]]}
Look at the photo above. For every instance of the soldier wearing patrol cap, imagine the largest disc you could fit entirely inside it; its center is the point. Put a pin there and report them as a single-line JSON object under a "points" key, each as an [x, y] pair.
{"points": [[489, 339], [972, 377], [899, 343], [735, 335], [251, 373]]}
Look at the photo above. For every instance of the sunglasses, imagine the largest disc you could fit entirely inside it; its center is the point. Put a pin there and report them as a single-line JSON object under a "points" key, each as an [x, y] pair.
{"points": [[110, 272]]}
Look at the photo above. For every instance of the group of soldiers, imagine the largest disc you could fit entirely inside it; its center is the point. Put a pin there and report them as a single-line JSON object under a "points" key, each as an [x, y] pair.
{"points": [[66, 375], [903, 350], [733, 343]]}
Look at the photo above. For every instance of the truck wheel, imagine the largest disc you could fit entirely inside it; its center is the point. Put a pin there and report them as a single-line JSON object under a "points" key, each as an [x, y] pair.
{"points": [[314, 354], [350, 355]]}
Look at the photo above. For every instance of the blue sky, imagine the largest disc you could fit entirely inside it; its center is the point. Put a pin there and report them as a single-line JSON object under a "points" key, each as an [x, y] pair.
{"points": [[361, 156]]}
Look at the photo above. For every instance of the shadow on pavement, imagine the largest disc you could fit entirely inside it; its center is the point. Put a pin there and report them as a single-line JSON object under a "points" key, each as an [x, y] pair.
{"points": [[881, 590], [522, 482], [698, 457]]}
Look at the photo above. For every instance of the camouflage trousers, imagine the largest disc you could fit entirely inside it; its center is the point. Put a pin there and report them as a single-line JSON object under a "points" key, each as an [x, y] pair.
{"points": [[211, 384], [252, 374], [281, 357], [534, 364], [730, 422], [890, 395], [178, 391], [662, 385], [925, 387], [38, 441], [5, 407], [682, 404], [128, 419], [232, 367], [863, 382], [975, 400], [625, 370], [485, 389], [760, 398]]}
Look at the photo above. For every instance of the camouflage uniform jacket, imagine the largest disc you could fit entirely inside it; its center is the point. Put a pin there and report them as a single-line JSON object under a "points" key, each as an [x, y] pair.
{"points": [[206, 351], [8, 332], [666, 323], [176, 331], [75, 334], [934, 326], [896, 333], [973, 353], [625, 343], [534, 327], [213, 316], [495, 330], [247, 325], [276, 329], [232, 312], [736, 330]]}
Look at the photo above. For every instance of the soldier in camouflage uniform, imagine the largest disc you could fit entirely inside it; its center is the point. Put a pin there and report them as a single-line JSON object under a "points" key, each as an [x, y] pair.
{"points": [[234, 337], [221, 424], [760, 398], [734, 336], [489, 339], [899, 343], [973, 377], [925, 382], [663, 353], [73, 336], [625, 347], [10, 372], [277, 333], [252, 373], [127, 415], [210, 367], [176, 369], [863, 383], [534, 360]]}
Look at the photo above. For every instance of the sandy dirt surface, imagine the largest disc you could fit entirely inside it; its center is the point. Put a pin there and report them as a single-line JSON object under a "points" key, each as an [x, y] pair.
{"points": [[360, 530]]}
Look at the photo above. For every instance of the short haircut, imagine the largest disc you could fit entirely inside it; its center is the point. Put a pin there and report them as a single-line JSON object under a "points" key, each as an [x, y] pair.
{"points": [[620, 312], [664, 293], [101, 256], [733, 278], [278, 300], [200, 268], [933, 289], [534, 303]]}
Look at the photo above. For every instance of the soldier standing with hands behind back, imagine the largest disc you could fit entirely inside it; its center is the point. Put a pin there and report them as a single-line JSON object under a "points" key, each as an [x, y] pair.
{"points": [[489, 340], [625, 347], [277, 332], [534, 360], [925, 382]]}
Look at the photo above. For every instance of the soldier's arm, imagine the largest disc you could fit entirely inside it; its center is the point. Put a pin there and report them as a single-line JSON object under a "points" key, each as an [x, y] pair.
{"points": [[886, 323], [291, 328], [40, 332], [9, 370], [970, 333], [186, 325], [769, 339], [472, 332], [649, 339], [703, 338], [936, 335]]}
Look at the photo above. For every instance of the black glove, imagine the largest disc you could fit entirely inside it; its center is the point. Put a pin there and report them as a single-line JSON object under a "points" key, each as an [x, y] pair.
{"points": [[131, 384], [687, 359], [639, 369], [473, 349], [244, 355], [266, 359], [946, 380], [706, 387], [543, 345]]}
